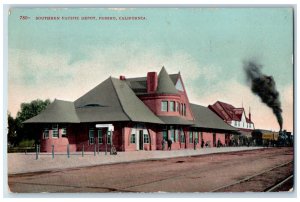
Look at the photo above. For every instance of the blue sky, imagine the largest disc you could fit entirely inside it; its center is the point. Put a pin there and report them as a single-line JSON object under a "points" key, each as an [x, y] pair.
{"points": [[207, 45]]}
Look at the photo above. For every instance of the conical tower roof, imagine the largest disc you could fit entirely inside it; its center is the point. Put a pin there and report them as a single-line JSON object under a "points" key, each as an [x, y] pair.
{"points": [[165, 84]]}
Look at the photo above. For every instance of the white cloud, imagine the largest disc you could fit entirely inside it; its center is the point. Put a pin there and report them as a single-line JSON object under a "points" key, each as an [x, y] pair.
{"points": [[35, 75]]}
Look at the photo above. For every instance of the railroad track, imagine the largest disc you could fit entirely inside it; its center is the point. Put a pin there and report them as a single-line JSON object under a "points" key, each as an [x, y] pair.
{"points": [[270, 189], [280, 184]]}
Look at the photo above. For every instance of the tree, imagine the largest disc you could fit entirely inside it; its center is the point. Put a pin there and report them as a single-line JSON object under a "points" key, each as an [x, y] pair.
{"points": [[17, 131], [29, 110], [12, 127]]}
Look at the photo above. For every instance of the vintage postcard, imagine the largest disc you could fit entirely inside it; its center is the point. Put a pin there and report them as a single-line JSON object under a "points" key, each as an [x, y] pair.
{"points": [[150, 100]]}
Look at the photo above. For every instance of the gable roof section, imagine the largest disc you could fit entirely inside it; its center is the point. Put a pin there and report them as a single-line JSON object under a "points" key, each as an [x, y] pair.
{"points": [[135, 109], [165, 84], [228, 112], [113, 100], [100, 104], [205, 118], [174, 78], [103, 95], [57, 112]]}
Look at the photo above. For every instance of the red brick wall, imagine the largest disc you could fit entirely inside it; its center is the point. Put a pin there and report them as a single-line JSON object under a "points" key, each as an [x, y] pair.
{"points": [[78, 135], [208, 137], [60, 143]]}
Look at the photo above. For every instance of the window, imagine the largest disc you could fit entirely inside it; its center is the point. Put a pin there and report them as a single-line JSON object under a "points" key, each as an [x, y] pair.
{"points": [[191, 137], [55, 131], [165, 135], [108, 137], [132, 138], [182, 138], [172, 131], [91, 136], [176, 136], [184, 110], [181, 111], [46, 133], [146, 138], [172, 106], [196, 137], [177, 106], [64, 132], [164, 106], [100, 136]]}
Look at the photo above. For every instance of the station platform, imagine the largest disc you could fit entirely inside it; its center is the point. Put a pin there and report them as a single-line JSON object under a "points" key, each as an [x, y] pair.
{"points": [[18, 163]]}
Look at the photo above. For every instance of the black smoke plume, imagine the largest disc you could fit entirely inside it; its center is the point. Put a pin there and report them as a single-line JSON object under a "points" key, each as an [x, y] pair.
{"points": [[264, 86]]}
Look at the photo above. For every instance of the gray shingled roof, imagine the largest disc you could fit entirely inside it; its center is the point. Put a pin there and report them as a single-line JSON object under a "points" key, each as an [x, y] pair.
{"points": [[57, 112], [175, 120], [100, 104], [113, 100], [174, 78], [135, 109], [165, 84], [205, 118]]}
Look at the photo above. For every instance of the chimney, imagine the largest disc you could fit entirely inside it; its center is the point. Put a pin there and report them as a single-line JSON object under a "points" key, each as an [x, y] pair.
{"points": [[152, 82], [122, 77]]}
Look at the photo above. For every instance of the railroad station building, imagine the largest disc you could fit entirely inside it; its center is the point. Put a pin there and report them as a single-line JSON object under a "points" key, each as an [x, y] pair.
{"points": [[131, 114], [235, 116]]}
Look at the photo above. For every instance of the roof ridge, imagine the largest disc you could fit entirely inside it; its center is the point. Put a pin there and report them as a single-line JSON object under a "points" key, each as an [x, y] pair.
{"points": [[111, 79]]}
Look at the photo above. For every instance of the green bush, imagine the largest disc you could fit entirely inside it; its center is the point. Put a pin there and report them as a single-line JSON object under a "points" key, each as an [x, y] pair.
{"points": [[26, 143]]}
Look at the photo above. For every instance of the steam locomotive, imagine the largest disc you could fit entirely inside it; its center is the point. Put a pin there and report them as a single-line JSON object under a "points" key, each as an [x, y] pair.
{"points": [[269, 138]]}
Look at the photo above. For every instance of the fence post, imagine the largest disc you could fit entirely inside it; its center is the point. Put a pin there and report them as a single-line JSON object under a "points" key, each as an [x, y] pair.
{"points": [[82, 150], [94, 149], [111, 142], [53, 151], [68, 150], [36, 152]]}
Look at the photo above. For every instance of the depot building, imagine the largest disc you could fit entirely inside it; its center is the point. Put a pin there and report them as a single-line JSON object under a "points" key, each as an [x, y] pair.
{"points": [[130, 114]]}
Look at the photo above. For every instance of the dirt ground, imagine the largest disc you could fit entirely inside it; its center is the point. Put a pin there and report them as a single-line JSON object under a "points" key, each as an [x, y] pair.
{"points": [[184, 174]]}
